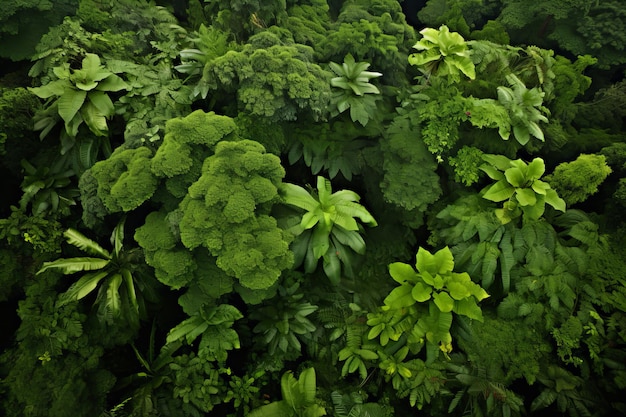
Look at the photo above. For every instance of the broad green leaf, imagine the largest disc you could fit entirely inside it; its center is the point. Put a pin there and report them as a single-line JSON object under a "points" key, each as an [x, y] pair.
{"points": [[458, 290], [112, 83], [492, 172], [468, 307], [499, 191], [275, 409], [400, 297], [55, 88], [421, 292], [289, 389], [536, 168], [423, 58], [309, 219], [554, 200], [515, 177], [443, 301], [526, 196], [113, 303], [70, 103], [190, 329], [464, 64], [85, 285], [95, 119], [117, 237], [320, 242], [402, 273], [350, 238], [71, 130], [306, 385], [535, 130], [500, 162], [102, 102], [295, 195], [540, 187], [130, 289], [324, 190], [75, 238], [366, 354], [72, 265], [441, 262], [91, 62], [521, 133], [535, 211], [332, 268]]}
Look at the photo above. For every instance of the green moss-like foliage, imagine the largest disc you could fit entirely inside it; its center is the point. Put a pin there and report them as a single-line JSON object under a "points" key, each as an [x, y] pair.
{"points": [[173, 265], [410, 180], [124, 179], [274, 78], [577, 180], [227, 211]]}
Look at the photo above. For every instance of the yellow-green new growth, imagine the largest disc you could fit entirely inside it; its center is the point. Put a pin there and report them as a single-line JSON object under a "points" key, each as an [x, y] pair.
{"points": [[443, 53]]}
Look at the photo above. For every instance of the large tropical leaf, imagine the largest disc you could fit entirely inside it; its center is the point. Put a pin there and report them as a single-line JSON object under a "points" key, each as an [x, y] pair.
{"points": [[112, 83], [117, 238], [441, 262], [110, 308], [74, 237], [84, 286], [72, 265], [102, 102], [190, 329], [297, 196], [95, 119], [306, 385], [70, 103], [275, 409]]}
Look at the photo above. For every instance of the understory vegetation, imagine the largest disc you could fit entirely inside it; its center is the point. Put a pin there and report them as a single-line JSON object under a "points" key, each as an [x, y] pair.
{"points": [[307, 208]]}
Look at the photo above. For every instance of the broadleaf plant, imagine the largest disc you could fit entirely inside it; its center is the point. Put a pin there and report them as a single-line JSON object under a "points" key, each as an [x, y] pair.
{"points": [[519, 186], [436, 291], [79, 96], [119, 295], [443, 53], [328, 229], [353, 90]]}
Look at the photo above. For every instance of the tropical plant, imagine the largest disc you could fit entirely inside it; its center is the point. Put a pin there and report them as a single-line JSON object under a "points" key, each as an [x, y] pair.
{"points": [[443, 291], [525, 110], [283, 321], [328, 229], [353, 82], [444, 53], [481, 394], [214, 325], [48, 188], [299, 398], [77, 96], [519, 186], [119, 296], [354, 405]]}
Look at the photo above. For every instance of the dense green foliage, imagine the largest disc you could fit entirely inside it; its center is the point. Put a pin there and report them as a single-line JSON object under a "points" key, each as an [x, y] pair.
{"points": [[307, 208]]}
